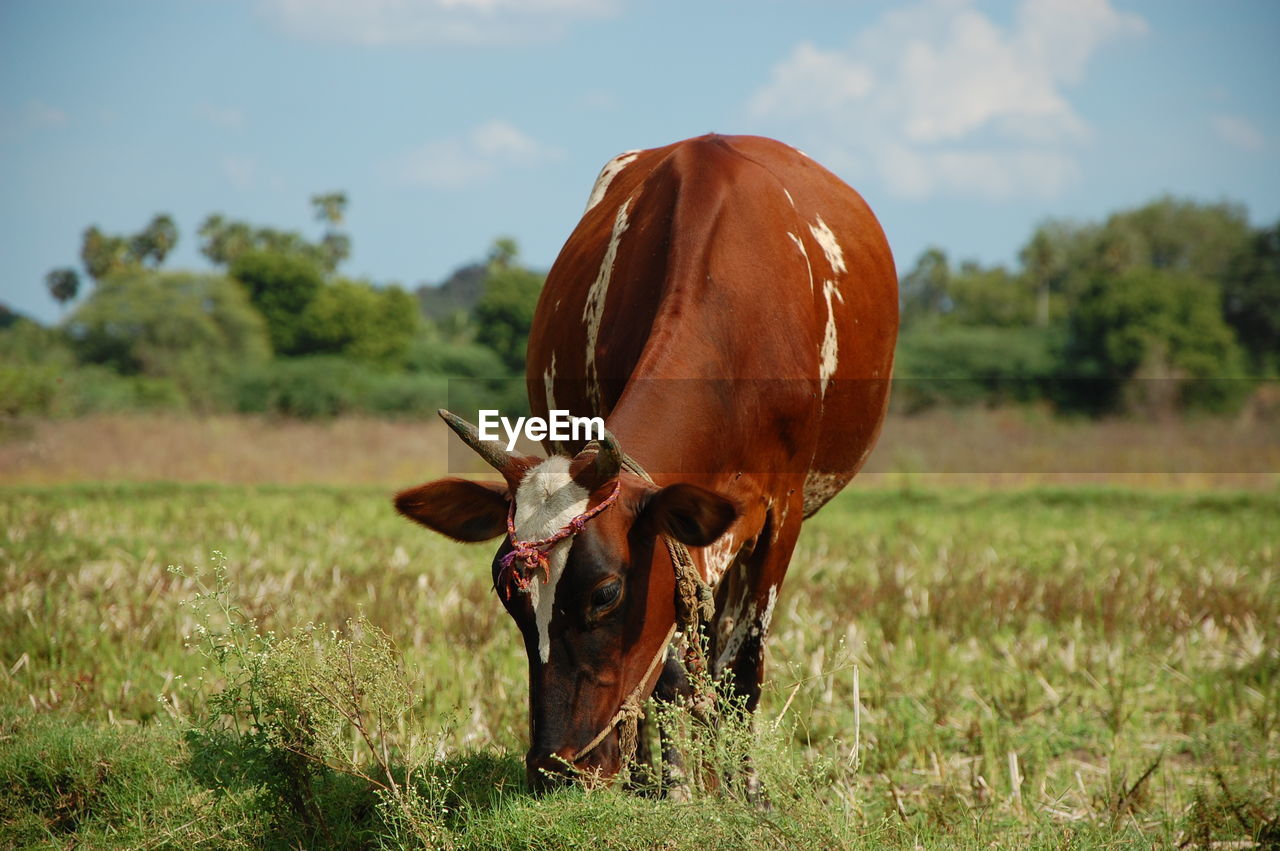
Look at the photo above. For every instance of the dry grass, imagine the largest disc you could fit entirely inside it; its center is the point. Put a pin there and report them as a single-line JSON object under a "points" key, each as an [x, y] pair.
{"points": [[1038, 667], [222, 449], [975, 448], [983, 448]]}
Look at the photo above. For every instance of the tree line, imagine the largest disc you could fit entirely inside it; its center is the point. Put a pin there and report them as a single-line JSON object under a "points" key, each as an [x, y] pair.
{"points": [[1171, 306], [275, 328]]}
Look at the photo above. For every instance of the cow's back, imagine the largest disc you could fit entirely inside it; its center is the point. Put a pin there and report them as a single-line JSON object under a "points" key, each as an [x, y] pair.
{"points": [[741, 275]]}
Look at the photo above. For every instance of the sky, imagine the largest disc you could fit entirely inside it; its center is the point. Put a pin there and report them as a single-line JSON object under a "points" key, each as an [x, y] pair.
{"points": [[448, 123]]}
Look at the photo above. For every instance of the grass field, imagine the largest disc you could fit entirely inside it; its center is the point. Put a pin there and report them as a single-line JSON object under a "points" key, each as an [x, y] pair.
{"points": [[1036, 667], [973, 447]]}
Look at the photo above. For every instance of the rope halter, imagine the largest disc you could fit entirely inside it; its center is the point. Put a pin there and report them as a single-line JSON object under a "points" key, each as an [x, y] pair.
{"points": [[521, 565]]}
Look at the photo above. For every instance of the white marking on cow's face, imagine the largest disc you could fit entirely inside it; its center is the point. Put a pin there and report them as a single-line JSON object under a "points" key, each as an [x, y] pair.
{"points": [[804, 252], [593, 310], [830, 246], [546, 501], [611, 170], [790, 200]]}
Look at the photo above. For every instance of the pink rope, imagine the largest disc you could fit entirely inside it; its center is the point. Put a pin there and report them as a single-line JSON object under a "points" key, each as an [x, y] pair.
{"points": [[525, 559]]}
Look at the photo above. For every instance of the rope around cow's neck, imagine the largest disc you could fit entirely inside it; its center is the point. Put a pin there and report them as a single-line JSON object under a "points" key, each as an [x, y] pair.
{"points": [[694, 604]]}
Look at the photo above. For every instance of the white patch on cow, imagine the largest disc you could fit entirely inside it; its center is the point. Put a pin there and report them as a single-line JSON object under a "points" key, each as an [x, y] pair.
{"points": [[830, 246], [611, 170], [593, 310], [819, 488], [742, 624], [546, 501], [790, 200], [716, 559], [804, 252], [745, 625], [761, 627], [548, 386], [829, 356]]}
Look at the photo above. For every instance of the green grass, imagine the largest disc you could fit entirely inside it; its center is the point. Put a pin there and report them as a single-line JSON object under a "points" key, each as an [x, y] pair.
{"points": [[1118, 650]]}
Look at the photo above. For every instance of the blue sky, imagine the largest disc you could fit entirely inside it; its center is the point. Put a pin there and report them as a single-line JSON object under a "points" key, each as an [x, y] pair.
{"points": [[451, 122]]}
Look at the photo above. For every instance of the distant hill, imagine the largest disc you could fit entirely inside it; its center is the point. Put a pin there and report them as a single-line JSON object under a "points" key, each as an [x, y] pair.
{"points": [[457, 294]]}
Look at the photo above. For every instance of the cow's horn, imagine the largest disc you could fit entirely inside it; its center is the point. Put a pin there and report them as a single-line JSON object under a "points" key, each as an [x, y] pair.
{"points": [[507, 463], [608, 457]]}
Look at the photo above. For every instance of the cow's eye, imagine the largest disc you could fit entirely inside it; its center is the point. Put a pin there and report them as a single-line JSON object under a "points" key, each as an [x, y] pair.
{"points": [[605, 597]]}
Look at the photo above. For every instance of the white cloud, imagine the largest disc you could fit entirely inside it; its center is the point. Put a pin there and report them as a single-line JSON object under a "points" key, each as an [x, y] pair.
{"points": [[598, 100], [937, 98], [379, 22], [1238, 132], [911, 173], [813, 81], [472, 157], [40, 115], [36, 115], [226, 117], [242, 172]]}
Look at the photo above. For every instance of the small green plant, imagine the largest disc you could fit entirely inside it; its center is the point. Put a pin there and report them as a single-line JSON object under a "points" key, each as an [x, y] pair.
{"points": [[308, 716]]}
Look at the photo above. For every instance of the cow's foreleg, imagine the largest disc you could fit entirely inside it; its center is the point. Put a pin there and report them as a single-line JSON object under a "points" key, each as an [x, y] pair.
{"points": [[741, 651], [673, 685]]}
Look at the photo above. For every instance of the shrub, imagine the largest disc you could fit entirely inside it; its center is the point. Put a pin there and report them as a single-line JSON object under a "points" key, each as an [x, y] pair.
{"points": [[1149, 334], [965, 365], [326, 386], [361, 322], [292, 715], [194, 330], [453, 358], [280, 286], [302, 387]]}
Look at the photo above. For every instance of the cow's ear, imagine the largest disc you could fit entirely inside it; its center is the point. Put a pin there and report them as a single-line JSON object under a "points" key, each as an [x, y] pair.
{"points": [[464, 510], [692, 515]]}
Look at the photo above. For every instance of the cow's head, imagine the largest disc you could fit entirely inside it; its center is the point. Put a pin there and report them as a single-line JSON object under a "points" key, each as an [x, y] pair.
{"points": [[597, 613]]}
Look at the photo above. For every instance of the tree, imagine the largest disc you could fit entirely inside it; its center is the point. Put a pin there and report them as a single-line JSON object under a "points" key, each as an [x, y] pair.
{"points": [[503, 252], [104, 255], [197, 330], [330, 208], [155, 241], [990, 296], [924, 290], [1154, 324], [504, 313], [1251, 300], [223, 240], [1176, 235], [359, 321], [281, 286], [63, 284]]}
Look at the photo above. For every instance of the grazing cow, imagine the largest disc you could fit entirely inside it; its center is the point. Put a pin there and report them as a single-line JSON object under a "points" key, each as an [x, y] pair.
{"points": [[730, 308]]}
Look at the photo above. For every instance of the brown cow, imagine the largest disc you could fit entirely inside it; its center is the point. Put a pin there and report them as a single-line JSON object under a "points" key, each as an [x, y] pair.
{"points": [[730, 308]]}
